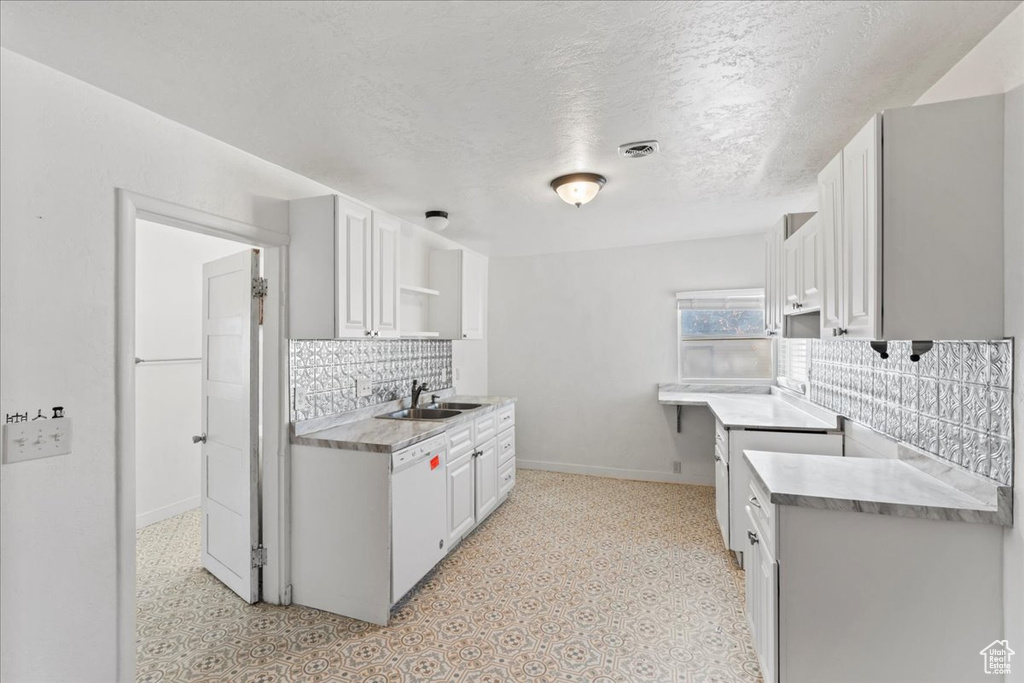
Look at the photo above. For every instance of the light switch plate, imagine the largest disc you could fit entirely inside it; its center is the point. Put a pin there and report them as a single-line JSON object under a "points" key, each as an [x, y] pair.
{"points": [[363, 386], [36, 439]]}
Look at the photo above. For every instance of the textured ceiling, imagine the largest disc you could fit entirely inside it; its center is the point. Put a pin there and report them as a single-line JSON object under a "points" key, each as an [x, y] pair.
{"points": [[474, 107]]}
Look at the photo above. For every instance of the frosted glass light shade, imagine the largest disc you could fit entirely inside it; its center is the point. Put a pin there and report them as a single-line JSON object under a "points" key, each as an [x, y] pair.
{"points": [[437, 220], [578, 188]]}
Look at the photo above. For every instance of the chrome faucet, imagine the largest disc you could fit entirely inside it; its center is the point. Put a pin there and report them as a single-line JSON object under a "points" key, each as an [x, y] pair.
{"points": [[417, 389]]}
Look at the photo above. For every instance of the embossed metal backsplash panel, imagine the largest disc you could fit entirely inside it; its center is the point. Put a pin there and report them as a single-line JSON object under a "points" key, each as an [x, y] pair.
{"points": [[955, 402], [328, 369]]}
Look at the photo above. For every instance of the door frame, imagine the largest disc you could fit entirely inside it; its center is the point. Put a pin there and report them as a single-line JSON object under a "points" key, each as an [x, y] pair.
{"points": [[274, 504]]}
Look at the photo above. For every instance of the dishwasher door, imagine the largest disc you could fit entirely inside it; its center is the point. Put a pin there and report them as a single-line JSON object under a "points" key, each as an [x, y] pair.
{"points": [[418, 507]]}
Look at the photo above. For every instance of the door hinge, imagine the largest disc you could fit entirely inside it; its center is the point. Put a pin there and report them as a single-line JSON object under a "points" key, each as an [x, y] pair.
{"points": [[259, 287], [259, 557]]}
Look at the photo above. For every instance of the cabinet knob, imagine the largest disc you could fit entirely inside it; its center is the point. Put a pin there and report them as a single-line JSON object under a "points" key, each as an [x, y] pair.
{"points": [[718, 458], [199, 439], [755, 502], [464, 335], [752, 537], [369, 333]]}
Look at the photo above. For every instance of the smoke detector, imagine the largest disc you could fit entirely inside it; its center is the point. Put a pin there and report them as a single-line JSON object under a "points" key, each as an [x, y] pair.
{"points": [[636, 150]]}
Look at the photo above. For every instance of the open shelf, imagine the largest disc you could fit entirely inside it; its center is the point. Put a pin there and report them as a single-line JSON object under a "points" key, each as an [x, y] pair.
{"points": [[412, 289]]}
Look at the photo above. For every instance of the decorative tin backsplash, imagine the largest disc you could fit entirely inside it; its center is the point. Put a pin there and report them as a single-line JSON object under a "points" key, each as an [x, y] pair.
{"points": [[328, 370], [956, 402]]}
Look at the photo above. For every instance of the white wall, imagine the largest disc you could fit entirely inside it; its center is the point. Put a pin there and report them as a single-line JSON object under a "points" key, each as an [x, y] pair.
{"points": [[168, 324], [996, 65], [583, 339], [66, 146]]}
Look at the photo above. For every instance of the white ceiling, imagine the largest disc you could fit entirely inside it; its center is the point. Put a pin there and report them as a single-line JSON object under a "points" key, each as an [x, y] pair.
{"points": [[474, 107]]}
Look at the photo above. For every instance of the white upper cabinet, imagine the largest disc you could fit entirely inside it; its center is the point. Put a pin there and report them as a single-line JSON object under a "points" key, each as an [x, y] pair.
{"points": [[384, 295], [343, 270], [459, 310], [810, 265], [830, 226], [352, 241], [861, 228], [911, 220], [801, 267], [774, 286]]}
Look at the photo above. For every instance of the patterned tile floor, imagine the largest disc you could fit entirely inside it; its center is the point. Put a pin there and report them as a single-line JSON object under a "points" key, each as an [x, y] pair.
{"points": [[573, 579]]}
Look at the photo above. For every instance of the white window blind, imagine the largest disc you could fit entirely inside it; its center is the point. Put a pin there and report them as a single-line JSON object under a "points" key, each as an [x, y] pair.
{"points": [[792, 364], [721, 336]]}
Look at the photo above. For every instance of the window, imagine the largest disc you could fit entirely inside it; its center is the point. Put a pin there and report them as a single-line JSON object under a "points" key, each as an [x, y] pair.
{"points": [[792, 365], [721, 336]]}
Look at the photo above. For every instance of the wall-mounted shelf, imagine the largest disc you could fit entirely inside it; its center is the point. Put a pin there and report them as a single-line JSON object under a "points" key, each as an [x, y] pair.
{"points": [[420, 335], [412, 289]]}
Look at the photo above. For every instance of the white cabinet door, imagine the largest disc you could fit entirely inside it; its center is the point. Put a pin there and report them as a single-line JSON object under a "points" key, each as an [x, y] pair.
{"points": [[486, 479], [461, 500], [384, 271], [762, 593], [791, 265], [352, 269], [722, 496], [810, 265], [473, 296], [862, 225], [830, 225]]}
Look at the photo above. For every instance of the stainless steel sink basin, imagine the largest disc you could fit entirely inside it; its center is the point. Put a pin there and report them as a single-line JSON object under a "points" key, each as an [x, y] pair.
{"points": [[455, 406], [421, 414]]}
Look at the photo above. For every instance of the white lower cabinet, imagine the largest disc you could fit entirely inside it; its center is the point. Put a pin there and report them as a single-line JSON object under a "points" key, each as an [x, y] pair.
{"points": [[461, 501], [486, 478], [849, 597], [481, 470], [762, 598], [739, 440], [367, 526], [722, 496]]}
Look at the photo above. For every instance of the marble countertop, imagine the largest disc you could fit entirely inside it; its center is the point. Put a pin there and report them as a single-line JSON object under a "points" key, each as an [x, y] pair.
{"points": [[871, 485], [745, 410], [377, 435]]}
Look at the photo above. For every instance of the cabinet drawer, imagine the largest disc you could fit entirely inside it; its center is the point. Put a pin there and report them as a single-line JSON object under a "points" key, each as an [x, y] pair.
{"points": [[763, 511], [485, 428], [506, 417], [460, 440], [722, 439], [507, 477], [506, 445]]}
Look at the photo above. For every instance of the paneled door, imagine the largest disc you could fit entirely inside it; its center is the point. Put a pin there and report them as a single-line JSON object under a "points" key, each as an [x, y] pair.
{"points": [[486, 479], [830, 215], [230, 417], [352, 269], [385, 296], [862, 227]]}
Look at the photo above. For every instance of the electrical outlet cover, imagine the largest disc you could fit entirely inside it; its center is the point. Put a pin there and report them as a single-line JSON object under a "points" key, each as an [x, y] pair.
{"points": [[302, 398], [363, 386]]}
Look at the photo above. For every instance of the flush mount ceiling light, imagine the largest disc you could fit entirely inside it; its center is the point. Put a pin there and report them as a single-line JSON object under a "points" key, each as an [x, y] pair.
{"points": [[437, 220], [578, 188]]}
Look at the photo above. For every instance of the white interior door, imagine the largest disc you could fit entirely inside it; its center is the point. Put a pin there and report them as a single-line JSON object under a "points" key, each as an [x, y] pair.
{"points": [[230, 416]]}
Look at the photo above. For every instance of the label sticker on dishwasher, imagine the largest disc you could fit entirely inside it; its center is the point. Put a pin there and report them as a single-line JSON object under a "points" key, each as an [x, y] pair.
{"points": [[435, 461]]}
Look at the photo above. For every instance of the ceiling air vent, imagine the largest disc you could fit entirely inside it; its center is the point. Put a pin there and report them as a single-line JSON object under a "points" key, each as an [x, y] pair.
{"points": [[635, 150]]}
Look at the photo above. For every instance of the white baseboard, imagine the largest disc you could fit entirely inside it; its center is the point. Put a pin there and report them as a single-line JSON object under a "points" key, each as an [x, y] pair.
{"points": [[617, 473], [166, 512]]}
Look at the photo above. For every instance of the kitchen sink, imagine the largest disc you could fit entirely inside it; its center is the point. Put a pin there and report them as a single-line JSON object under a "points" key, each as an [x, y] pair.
{"points": [[456, 406], [421, 414]]}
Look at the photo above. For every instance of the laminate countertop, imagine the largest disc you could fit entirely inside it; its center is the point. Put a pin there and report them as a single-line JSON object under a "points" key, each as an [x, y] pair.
{"points": [[379, 435], [880, 486], [749, 410]]}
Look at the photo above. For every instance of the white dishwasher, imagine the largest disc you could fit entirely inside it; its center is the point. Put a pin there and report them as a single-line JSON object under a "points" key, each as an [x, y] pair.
{"points": [[418, 512]]}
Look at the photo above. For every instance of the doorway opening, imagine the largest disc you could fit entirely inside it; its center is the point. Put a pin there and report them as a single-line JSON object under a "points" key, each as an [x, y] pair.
{"points": [[202, 415]]}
